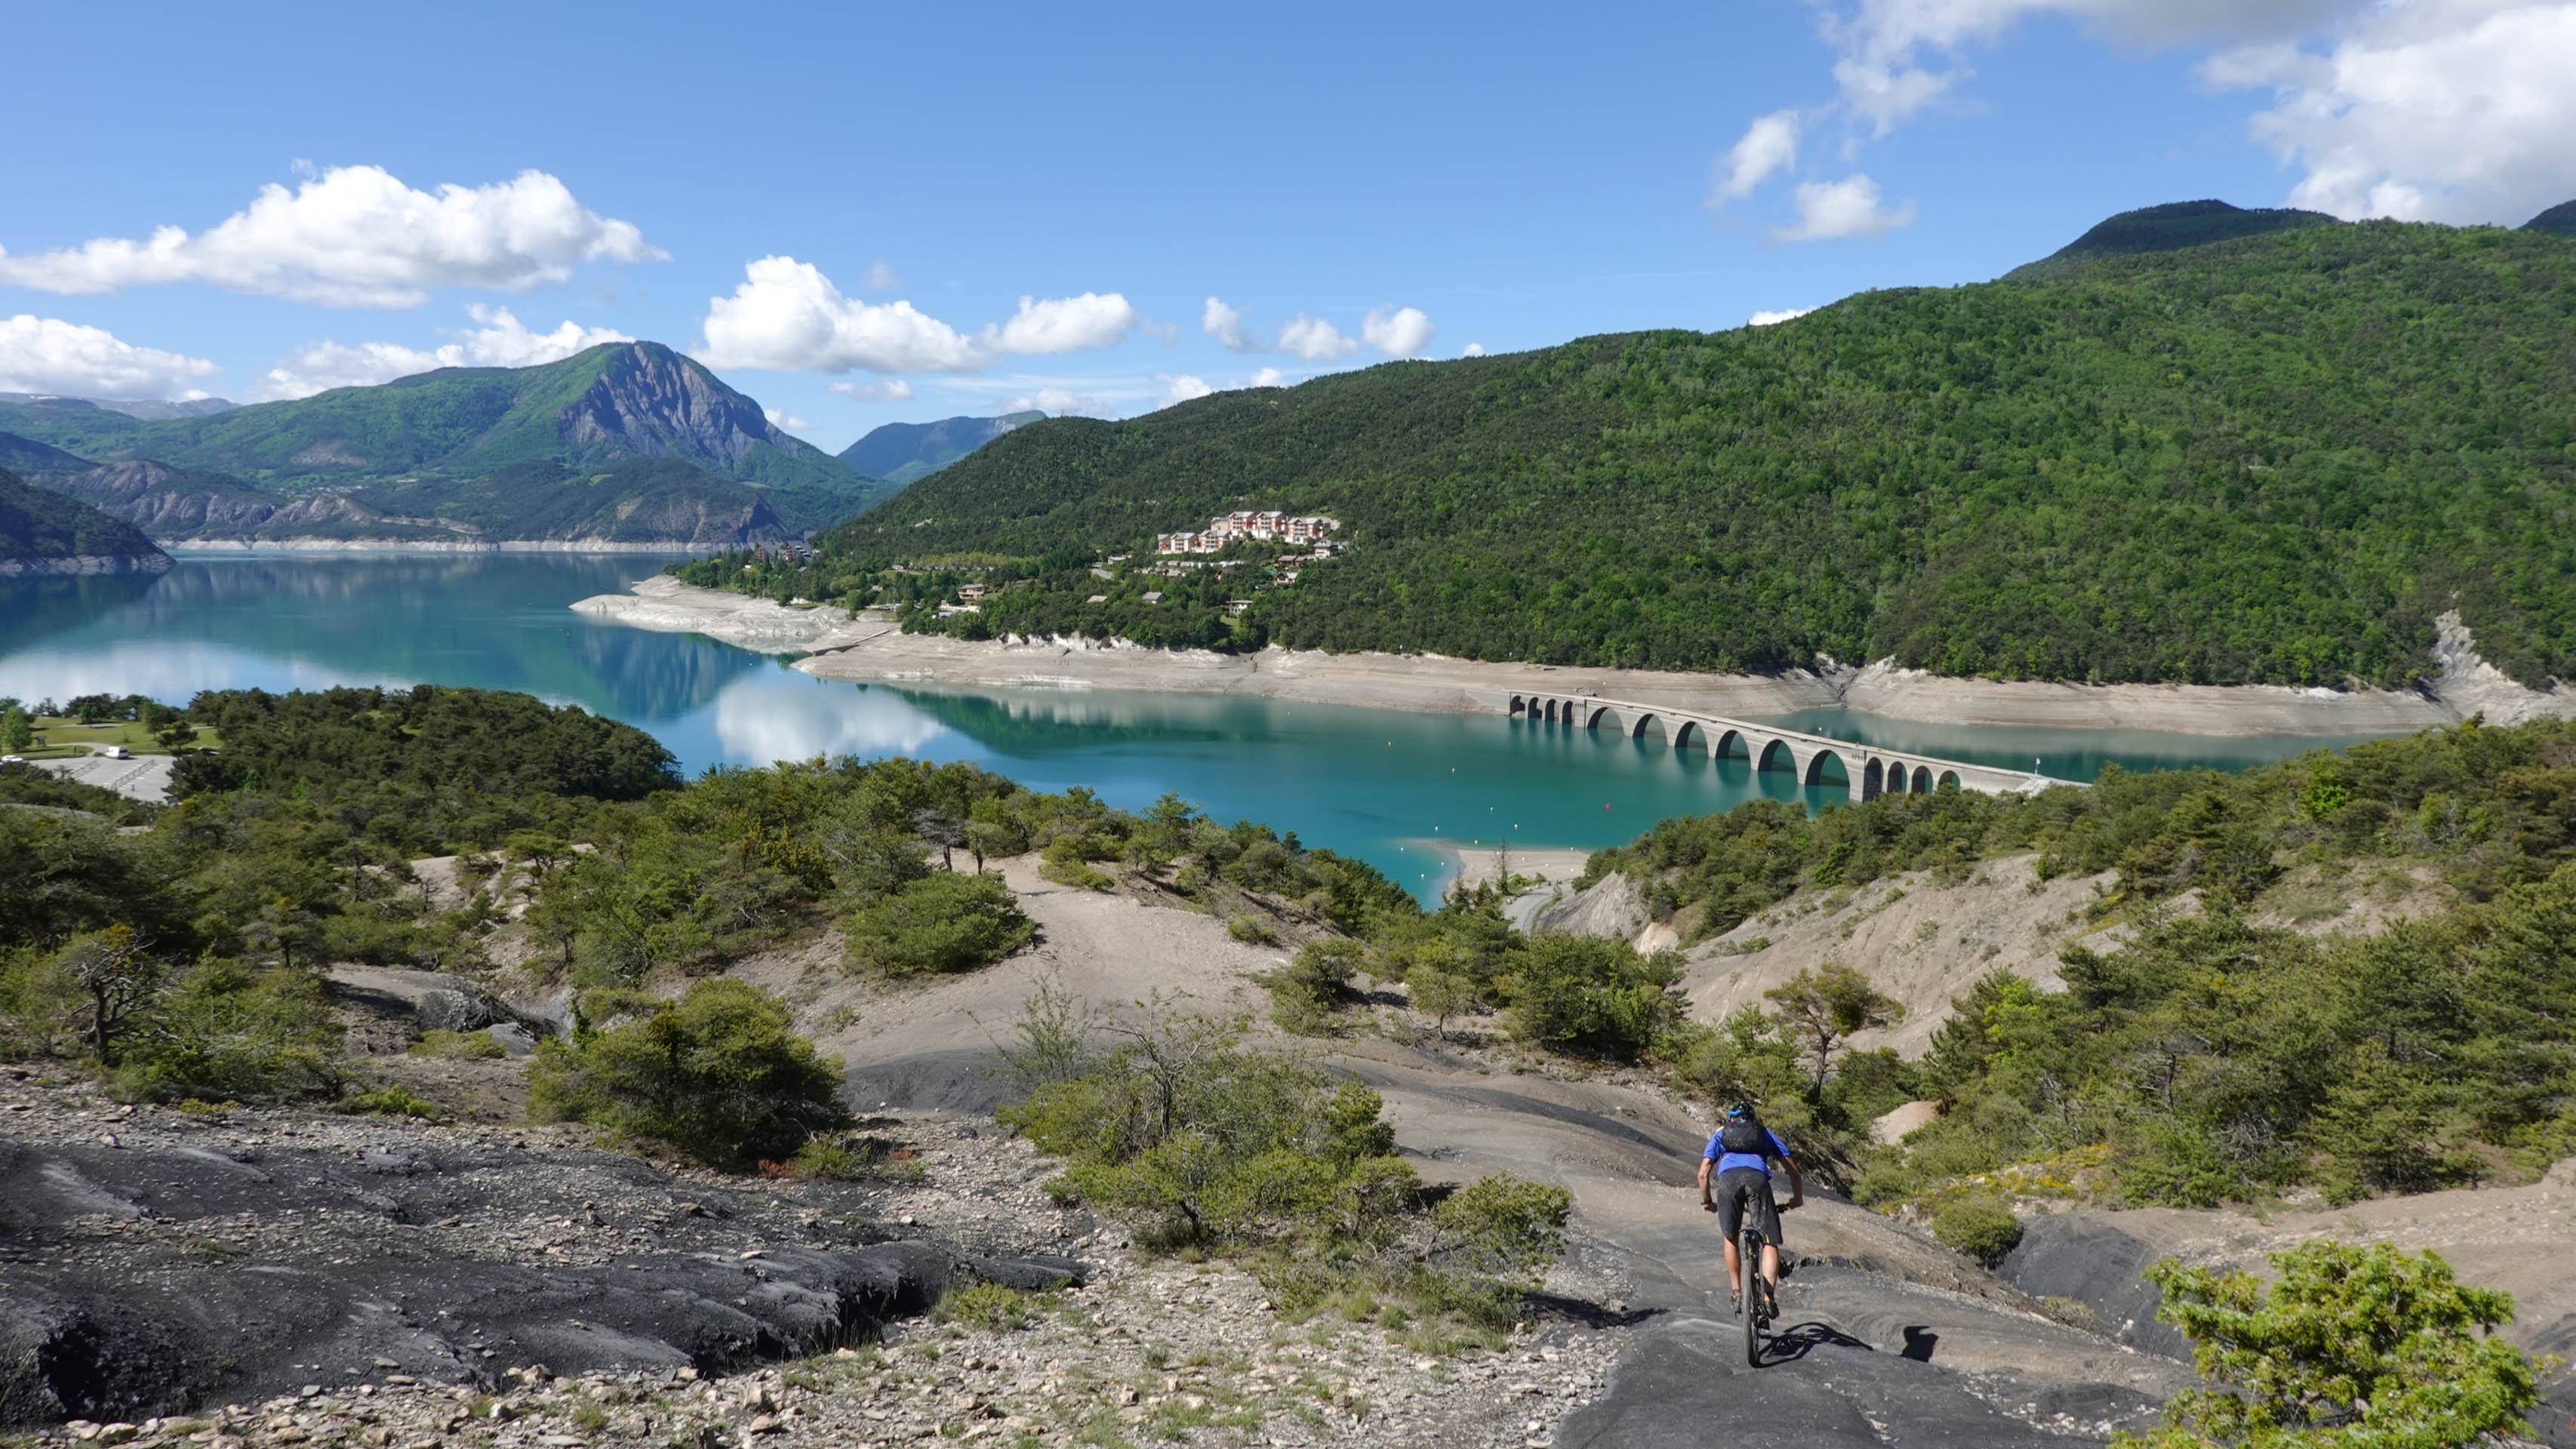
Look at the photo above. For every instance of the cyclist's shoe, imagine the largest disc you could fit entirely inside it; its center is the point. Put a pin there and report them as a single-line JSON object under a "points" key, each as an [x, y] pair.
{"points": [[1771, 1300], [1734, 1301]]}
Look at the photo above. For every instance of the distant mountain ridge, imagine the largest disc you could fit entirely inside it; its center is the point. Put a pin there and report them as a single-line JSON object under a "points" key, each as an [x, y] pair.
{"points": [[900, 453], [621, 399], [147, 410], [629, 503], [45, 533], [455, 457], [2169, 227], [2559, 220]]}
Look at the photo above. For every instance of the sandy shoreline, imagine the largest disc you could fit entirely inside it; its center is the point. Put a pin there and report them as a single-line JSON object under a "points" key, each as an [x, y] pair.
{"points": [[397, 545], [872, 648]]}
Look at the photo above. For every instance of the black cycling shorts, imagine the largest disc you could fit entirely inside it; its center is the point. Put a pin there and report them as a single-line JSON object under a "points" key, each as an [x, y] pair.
{"points": [[1737, 1186]]}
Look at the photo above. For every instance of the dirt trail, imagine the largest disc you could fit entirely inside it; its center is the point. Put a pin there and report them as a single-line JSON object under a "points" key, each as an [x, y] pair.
{"points": [[1973, 1360]]}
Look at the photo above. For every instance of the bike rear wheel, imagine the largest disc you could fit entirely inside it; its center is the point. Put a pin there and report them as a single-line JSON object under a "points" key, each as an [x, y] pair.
{"points": [[1748, 1294]]}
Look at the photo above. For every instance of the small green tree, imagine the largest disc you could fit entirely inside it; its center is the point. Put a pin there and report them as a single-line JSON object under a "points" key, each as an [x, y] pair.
{"points": [[1503, 1227], [1439, 995], [718, 1074], [2354, 1348], [118, 975], [1826, 1006], [1591, 995], [946, 921], [1981, 1227], [17, 731]]}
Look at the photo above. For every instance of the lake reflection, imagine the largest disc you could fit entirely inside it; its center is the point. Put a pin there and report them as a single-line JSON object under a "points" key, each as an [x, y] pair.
{"points": [[1389, 787]]}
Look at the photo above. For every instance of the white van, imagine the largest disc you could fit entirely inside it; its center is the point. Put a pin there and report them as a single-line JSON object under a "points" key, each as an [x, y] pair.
{"points": [[118, 752]]}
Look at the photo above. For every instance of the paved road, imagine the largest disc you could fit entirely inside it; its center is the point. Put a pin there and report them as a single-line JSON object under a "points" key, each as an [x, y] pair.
{"points": [[145, 777]]}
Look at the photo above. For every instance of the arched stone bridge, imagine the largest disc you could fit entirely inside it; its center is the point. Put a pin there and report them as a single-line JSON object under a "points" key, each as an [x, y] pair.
{"points": [[1871, 771]]}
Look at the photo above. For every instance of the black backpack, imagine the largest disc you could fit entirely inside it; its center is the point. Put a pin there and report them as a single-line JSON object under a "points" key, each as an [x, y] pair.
{"points": [[1746, 1137]]}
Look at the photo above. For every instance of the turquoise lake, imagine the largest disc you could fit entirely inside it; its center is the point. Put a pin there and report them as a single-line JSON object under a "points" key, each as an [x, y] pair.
{"points": [[1386, 786]]}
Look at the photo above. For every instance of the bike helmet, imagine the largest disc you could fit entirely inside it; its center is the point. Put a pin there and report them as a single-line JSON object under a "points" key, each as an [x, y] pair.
{"points": [[1740, 1112]]}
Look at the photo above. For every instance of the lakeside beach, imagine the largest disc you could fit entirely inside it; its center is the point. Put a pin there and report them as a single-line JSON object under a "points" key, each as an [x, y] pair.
{"points": [[870, 647]]}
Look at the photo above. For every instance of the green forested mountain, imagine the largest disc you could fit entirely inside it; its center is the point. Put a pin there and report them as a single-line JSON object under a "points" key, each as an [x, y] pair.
{"points": [[2559, 220], [899, 453], [614, 400], [42, 532], [2275, 458], [32, 460], [488, 447], [2166, 228]]}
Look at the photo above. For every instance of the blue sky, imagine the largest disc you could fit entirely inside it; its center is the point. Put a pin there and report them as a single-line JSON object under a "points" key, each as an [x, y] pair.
{"points": [[1366, 180]]}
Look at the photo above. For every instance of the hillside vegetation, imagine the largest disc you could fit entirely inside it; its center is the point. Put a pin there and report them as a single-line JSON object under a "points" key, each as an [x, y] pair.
{"points": [[2274, 459], [41, 530], [2215, 1056]]}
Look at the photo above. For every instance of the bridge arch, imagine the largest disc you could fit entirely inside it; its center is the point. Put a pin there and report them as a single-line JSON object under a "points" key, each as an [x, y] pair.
{"points": [[1728, 743], [1520, 705], [1687, 733], [1922, 781], [1772, 753], [1873, 779], [1949, 780], [1637, 729], [1814, 773]]}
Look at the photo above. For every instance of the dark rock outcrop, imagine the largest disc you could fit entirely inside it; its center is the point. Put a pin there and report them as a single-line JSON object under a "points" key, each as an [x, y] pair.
{"points": [[155, 1278], [2079, 1257]]}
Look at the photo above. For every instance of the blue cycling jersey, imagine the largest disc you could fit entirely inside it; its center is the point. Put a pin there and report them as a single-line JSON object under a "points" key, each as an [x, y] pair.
{"points": [[1726, 1160]]}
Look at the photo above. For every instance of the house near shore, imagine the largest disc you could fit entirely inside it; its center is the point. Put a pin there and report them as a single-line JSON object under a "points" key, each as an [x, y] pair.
{"points": [[1268, 526]]}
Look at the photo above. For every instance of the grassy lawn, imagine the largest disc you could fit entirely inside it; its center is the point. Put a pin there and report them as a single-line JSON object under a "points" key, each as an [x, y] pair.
{"points": [[59, 734]]}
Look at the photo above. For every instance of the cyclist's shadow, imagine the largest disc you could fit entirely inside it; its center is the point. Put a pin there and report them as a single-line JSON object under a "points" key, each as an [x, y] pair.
{"points": [[1792, 1344]]}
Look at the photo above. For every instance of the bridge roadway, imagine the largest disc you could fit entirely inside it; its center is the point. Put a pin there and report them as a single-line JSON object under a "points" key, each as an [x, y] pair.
{"points": [[1871, 771]]}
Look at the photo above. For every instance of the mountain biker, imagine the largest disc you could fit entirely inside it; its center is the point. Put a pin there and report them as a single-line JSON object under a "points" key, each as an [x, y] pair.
{"points": [[1736, 1171]]}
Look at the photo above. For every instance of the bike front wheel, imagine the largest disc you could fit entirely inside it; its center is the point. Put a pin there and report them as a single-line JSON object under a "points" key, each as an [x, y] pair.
{"points": [[1748, 1296]]}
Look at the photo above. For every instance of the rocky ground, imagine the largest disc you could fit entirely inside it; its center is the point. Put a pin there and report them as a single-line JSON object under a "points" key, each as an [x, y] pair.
{"points": [[263, 1276]]}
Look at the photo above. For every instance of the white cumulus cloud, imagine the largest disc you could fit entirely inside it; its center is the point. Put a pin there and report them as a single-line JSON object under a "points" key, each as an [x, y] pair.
{"points": [[2445, 110], [1225, 324], [880, 277], [782, 418], [355, 236], [1059, 402], [892, 389], [1403, 332], [1063, 324], [1269, 377], [497, 340], [1472, 349], [1773, 319], [1849, 207], [1770, 144], [49, 355], [2449, 110], [1181, 388], [1314, 339], [788, 316]]}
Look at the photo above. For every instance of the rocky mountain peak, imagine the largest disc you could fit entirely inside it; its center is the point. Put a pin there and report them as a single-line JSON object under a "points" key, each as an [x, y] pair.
{"points": [[653, 401]]}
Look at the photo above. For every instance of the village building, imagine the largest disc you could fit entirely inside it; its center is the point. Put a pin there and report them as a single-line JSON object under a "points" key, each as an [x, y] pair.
{"points": [[1268, 526]]}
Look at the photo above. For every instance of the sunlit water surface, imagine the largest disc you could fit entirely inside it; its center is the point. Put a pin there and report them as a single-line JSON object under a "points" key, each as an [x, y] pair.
{"points": [[1389, 787]]}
